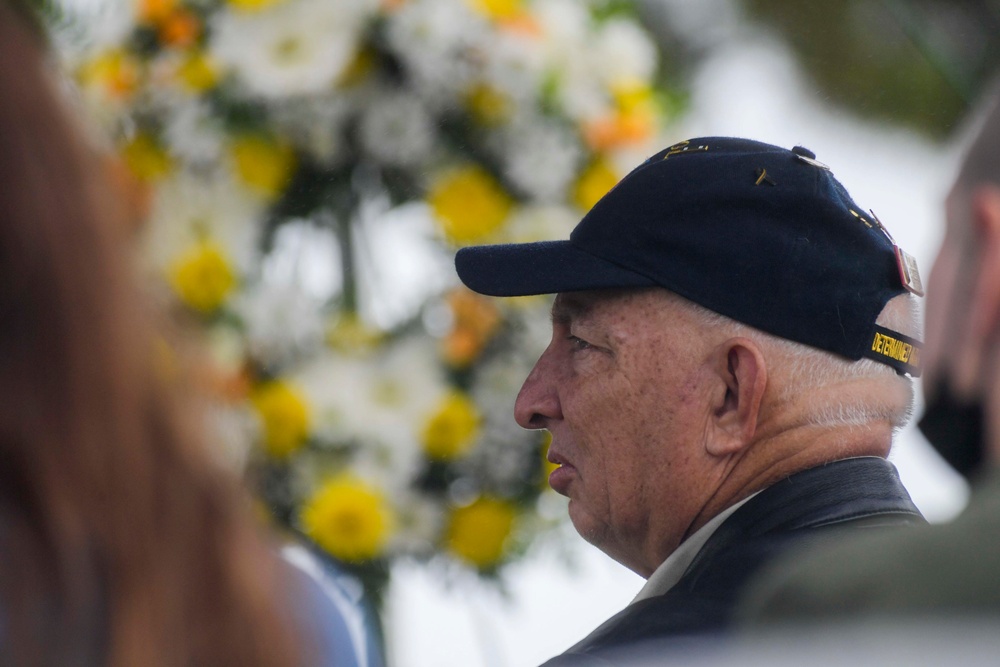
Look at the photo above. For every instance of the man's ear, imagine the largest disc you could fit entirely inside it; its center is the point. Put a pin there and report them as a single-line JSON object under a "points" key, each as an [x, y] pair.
{"points": [[742, 377]]}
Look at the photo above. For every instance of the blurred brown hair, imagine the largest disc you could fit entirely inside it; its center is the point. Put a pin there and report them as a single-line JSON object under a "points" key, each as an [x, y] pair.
{"points": [[121, 541]]}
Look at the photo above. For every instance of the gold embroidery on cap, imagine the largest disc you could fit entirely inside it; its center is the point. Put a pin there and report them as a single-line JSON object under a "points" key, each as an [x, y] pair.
{"points": [[762, 177], [895, 349], [861, 218], [684, 147]]}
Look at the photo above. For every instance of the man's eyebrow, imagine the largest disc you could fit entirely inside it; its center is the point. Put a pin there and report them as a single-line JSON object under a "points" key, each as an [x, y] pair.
{"points": [[566, 309]]}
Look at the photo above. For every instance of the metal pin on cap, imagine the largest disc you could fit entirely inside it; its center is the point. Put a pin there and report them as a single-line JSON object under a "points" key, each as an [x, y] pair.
{"points": [[807, 156], [909, 273]]}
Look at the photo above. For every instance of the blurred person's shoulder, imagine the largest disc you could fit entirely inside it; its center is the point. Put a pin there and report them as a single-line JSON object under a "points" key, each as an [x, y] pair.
{"points": [[330, 609], [946, 568]]}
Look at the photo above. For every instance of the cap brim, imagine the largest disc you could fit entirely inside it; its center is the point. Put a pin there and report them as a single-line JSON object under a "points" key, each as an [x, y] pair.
{"points": [[546, 267]]}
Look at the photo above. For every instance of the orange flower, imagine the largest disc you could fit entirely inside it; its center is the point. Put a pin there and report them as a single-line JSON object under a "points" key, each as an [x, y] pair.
{"points": [[476, 320], [525, 24], [156, 11], [181, 29], [619, 129], [633, 119]]}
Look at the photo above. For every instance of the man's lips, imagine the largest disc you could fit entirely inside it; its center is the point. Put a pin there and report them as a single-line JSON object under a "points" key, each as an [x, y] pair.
{"points": [[560, 478], [555, 457]]}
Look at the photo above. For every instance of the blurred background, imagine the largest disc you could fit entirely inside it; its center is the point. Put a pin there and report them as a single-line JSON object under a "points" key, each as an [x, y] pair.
{"points": [[301, 172]]}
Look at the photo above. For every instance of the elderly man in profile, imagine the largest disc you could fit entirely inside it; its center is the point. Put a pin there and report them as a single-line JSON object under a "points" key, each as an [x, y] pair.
{"points": [[731, 343]]}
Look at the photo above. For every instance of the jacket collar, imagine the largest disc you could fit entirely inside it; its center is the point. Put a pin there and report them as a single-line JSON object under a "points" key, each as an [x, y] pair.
{"points": [[846, 490]]}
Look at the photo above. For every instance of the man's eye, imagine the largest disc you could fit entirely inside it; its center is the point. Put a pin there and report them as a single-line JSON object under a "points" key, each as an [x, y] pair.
{"points": [[578, 343]]}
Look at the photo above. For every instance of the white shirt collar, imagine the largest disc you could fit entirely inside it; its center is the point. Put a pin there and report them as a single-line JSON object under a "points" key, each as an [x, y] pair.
{"points": [[671, 570]]}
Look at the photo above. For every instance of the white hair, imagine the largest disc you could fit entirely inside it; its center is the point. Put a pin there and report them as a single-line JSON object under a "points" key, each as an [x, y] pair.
{"points": [[806, 367]]}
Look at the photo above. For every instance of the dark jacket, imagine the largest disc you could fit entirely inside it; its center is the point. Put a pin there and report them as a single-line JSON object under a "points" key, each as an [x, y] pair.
{"points": [[853, 494], [950, 570]]}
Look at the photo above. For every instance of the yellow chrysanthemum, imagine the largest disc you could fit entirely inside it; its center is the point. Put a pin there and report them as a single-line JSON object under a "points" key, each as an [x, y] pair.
{"points": [[203, 277], [348, 518], [349, 334], [488, 105], [262, 163], [451, 430], [197, 72], [499, 10], [115, 71], [478, 533], [470, 204], [632, 95], [285, 416], [595, 182], [253, 5], [146, 158]]}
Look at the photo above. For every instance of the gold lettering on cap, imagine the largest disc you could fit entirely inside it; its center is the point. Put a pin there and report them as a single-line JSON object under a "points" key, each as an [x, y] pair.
{"points": [[684, 147], [762, 177], [894, 349]]}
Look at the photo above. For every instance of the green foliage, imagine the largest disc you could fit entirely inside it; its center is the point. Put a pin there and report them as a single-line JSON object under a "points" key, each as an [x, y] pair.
{"points": [[897, 61]]}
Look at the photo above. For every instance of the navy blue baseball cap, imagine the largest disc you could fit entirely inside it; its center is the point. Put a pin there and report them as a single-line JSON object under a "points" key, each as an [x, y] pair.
{"points": [[762, 234]]}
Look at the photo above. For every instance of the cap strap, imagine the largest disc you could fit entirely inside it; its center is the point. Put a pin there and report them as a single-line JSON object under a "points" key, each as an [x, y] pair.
{"points": [[893, 348]]}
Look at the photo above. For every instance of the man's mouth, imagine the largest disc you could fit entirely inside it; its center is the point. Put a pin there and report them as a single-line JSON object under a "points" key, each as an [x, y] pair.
{"points": [[561, 477]]}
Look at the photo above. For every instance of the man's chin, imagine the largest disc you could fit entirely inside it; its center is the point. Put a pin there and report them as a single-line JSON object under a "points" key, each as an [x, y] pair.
{"points": [[584, 524]]}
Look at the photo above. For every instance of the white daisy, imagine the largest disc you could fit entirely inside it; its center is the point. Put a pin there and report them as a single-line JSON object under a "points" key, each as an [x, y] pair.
{"points": [[282, 323], [297, 47], [564, 23], [331, 383], [569, 56], [540, 157], [193, 133], [315, 124], [437, 41], [380, 402], [515, 65], [192, 207], [419, 523], [396, 128], [623, 52]]}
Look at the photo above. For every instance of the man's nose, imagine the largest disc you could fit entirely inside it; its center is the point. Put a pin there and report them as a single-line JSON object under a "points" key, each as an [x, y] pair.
{"points": [[537, 403]]}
